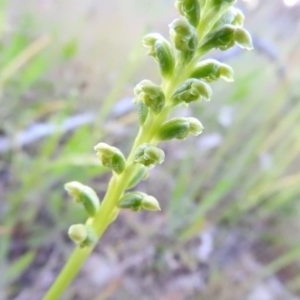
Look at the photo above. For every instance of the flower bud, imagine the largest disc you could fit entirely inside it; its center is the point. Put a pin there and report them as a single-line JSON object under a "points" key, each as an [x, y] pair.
{"points": [[82, 235], [196, 126], [142, 111], [161, 51], [111, 157], [222, 38], [189, 9], [148, 155], [150, 203], [184, 37], [233, 16], [226, 37], [132, 200], [85, 195], [177, 128], [151, 94], [211, 69], [191, 90], [139, 175], [243, 38], [137, 201]]}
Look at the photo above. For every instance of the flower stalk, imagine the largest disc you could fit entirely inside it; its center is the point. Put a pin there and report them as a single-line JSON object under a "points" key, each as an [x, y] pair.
{"points": [[203, 25]]}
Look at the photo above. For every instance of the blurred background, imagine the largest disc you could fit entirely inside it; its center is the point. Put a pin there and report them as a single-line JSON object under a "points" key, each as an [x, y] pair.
{"points": [[230, 221]]}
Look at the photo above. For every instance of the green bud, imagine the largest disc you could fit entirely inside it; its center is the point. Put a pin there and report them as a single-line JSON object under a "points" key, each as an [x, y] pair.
{"points": [[243, 38], [137, 201], [233, 16], [78, 233], [142, 111], [196, 126], [211, 70], [82, 235], [132, 200], [222, 38], [138, 176], [191, 90], [189, 9], [148, 155], [184, 38], [151, 94], [150, 203], [226, 37], [85, 195], [111, 157], [161, 51], [177, 128]]}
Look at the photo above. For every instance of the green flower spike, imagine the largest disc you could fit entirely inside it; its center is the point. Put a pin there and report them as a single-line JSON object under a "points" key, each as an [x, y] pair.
{"points": [[161, 51], [111, 157], [151, 94], [85, 195]]}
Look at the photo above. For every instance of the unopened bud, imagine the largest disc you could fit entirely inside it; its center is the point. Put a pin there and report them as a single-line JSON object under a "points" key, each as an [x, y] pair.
{"points": [[111, 157], [243, 38], [189, 9], [137, 201], [196, 126], [191, 90], [222, 38], [82, 235], [233, 16], [161, 51], [151, 94], [131, 200], [177, 128], [149, 155], [184, 37], [226, 37], [150, 203], [211, 70], [85, 195]]}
